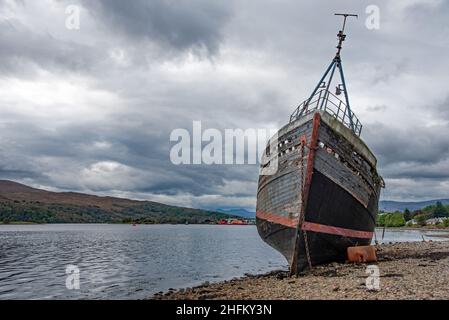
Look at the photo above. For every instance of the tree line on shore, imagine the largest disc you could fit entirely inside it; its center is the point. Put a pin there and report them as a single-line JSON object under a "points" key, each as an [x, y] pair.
{"points": [[418, 217], [141, 213]]}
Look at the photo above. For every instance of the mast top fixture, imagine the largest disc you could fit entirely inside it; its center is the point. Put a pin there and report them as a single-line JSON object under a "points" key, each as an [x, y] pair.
{"points": [[325, 100], [341, 34]]}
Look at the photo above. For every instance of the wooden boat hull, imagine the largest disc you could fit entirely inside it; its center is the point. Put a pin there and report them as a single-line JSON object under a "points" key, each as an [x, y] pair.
{"points": [[323, 197]]}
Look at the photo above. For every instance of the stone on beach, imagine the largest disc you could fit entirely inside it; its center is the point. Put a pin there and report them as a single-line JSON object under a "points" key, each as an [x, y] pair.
{"points": [[414, 270]]}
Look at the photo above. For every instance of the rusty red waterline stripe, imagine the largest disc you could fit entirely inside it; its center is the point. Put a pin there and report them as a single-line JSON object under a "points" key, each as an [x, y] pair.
{"points": [[322, 228], [314, 227], [285, 221]]}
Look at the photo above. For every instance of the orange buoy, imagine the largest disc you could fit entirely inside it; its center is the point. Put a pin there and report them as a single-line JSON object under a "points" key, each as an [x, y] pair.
{"points": [[362, 254]]}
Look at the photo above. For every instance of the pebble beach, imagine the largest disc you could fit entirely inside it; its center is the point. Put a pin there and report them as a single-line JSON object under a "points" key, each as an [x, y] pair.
{"points": [[409, 270]]}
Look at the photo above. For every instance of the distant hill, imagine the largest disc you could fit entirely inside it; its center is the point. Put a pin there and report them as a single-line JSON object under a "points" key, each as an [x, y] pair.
{"points": [[19, 202], [391, 206], [239, 212]]}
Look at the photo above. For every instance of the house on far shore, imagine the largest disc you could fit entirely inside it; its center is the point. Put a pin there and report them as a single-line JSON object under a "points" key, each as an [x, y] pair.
{"points": [[435, 221]]}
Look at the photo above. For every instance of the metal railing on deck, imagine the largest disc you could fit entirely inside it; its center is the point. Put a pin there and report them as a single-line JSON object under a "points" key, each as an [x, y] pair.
{"points": [[327, 101]]}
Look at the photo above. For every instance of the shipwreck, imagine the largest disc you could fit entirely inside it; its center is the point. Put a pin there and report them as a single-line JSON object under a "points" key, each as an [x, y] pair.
{"points": [[323, 197]]}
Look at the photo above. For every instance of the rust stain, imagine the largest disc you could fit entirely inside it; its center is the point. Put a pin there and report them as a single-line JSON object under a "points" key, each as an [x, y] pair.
{"points": [[285, 221], [306, 188], [321, 228]]}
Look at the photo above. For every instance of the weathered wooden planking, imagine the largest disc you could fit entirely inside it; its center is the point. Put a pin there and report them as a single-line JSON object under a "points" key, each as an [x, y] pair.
{"points": [[336, 171], [281, 196], [345, 148], [341, 166], [290, 160], [346, 151], [280, 193]]}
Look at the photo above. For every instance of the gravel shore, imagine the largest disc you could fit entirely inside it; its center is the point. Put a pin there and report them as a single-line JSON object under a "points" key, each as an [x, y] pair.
{"points": [[418, 270]]}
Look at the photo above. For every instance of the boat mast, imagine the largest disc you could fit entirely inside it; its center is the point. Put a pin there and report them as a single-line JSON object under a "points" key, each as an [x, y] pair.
{"points": [[336, 63]]}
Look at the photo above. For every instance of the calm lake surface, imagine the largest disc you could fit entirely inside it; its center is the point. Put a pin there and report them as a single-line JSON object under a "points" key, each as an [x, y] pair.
{"points": [[126, 262]]}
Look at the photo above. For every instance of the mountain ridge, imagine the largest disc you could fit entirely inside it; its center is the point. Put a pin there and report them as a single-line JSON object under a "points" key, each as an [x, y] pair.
{"points": [[390, 206], [241, 212], [384, 205], [19, 202]]}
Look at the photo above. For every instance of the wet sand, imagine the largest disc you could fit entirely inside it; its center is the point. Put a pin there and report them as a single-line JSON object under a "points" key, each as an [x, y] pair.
{"points": [[418, 270]]}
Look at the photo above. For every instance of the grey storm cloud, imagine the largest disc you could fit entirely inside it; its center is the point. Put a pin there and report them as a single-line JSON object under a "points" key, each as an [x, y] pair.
{"points": [[92, 109], [22, 49], [417, 144], [178, 25]]}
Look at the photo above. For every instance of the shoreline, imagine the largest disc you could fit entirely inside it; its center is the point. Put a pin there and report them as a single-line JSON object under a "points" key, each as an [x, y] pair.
{"points": [[408, 270], [425, 228], [19, 223]]}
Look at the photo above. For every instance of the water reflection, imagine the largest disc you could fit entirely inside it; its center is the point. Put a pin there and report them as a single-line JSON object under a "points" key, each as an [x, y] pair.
{"points": [[126, 262]]}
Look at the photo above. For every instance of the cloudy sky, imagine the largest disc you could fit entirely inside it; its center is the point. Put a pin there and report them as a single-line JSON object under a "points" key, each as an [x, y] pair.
{"points": [[91, 110]]}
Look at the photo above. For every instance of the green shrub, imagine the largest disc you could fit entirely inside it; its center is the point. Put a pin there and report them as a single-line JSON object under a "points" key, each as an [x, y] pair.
{"points": [[446, 222], [407, 215], [381, 219], [395, 219], [421, 219]]}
